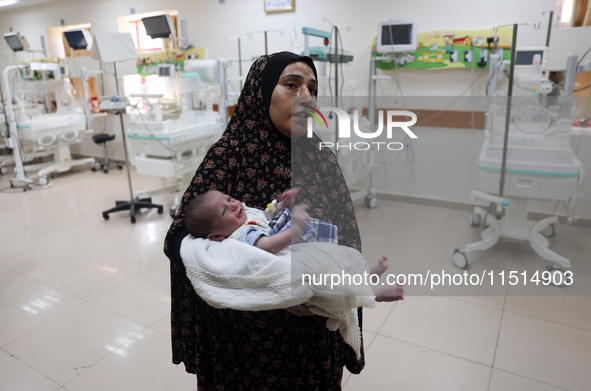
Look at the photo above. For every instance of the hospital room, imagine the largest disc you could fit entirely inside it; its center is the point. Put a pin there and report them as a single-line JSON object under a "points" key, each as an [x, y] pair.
{"points": [[443, 145]]}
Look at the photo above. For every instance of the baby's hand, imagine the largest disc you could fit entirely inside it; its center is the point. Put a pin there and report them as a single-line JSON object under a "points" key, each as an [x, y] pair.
{"points": [[288, 197]]}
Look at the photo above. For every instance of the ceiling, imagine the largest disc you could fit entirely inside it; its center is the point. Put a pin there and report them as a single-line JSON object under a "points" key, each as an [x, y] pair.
{"points": [[20, 3]]}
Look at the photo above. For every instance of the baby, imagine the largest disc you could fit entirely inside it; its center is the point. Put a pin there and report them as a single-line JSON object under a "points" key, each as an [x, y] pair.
{"points": [[217, 216]]}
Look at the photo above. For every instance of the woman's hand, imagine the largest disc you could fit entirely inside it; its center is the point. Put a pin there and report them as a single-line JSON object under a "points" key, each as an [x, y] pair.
{"points": [[300, 310], [299, 218]]}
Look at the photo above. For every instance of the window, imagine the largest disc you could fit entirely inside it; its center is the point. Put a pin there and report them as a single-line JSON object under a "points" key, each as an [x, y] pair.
{"points": [[572, 13], [142, 41]]}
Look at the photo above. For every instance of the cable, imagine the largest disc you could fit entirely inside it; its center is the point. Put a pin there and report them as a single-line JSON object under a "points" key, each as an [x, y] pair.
{"points": [[409, 150], [583, 88], [588, 50], [494, 74], [341, 65], [146, 125], [453, 101]]}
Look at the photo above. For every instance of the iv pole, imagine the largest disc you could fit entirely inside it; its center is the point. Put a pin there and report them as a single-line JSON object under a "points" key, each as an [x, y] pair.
{"points": [[265, 32], [508, 110], [113, 48]]}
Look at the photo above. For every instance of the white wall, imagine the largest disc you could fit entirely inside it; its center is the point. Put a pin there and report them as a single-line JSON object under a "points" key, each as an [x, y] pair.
{"points": [[211, 24], [446, 158]]}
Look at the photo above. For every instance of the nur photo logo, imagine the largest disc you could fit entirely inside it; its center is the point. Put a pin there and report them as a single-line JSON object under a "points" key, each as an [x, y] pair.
{"points": [[344, 129]]}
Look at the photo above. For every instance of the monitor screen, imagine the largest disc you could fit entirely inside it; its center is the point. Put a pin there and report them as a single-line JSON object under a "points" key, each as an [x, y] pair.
{"points": [[76, 39], [526, 56], [14, 43], [158, 26], [398, 34]]}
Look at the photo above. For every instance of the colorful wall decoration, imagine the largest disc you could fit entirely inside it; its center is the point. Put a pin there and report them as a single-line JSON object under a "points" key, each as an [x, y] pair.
{"points": [[453, 49], [147, 62]]}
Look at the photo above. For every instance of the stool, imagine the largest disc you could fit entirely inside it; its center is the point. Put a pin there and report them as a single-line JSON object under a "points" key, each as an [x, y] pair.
{"points": [[101, 139]]}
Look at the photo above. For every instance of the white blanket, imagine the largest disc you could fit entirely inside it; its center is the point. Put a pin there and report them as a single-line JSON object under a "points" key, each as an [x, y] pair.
{"points": [[232, 274]]}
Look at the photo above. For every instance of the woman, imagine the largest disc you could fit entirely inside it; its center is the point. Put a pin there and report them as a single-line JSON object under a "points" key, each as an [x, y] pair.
{"points": [[252, 161]]}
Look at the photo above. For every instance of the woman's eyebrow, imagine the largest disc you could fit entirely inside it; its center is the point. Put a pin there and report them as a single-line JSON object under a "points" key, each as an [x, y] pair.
{"points": [[298, 77]]}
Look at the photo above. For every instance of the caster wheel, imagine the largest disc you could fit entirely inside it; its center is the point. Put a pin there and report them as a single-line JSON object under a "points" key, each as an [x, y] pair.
{"points": [[119, 166], [371, 201], [3, 170], [106, 170], [132, 219], [160, 210], [558, 275], [95, 166], [550, 231], [475, 220], [460, 259], [43, 180], [173, 210], [105, 216]]}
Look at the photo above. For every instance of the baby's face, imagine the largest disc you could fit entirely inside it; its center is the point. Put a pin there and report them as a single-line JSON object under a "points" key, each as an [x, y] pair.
{"points": [[228, 213]]}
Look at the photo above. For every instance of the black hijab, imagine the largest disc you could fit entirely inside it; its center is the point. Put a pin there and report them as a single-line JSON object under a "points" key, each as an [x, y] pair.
{"points": [[252, 162]]}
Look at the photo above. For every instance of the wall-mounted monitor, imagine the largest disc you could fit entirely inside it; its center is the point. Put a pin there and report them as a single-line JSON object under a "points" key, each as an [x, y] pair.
{"points": [[78, 39], [159, 26], [397, 36], [16, 42]]}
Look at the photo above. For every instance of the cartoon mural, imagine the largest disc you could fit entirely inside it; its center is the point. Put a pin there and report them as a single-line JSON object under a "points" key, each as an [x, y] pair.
{"points": [[447, 49]]}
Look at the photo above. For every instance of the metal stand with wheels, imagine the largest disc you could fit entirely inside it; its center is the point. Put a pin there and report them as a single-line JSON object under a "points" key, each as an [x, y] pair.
{"points": [[117, 106], [113, 48]]}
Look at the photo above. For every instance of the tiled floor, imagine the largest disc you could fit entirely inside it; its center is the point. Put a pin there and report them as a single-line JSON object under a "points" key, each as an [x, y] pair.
{"points": [[84, 302]]}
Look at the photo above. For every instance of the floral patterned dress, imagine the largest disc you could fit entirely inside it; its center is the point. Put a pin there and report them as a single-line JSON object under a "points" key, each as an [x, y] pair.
{"points": [[252, 161]]}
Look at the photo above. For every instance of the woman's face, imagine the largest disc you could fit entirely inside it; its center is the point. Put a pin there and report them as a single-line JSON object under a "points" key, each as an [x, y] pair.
{"points": [[296, 86]]}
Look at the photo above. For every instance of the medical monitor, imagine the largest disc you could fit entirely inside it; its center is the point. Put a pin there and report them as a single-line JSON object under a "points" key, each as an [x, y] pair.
{"points": [[166, 70], [159, 26], [16, 42], [76, 39], [397, 36], [524, 56]]}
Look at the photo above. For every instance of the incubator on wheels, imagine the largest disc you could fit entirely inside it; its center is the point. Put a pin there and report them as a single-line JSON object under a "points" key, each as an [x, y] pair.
{"points": [[526, 155], [172, 125], [44, 118]]}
